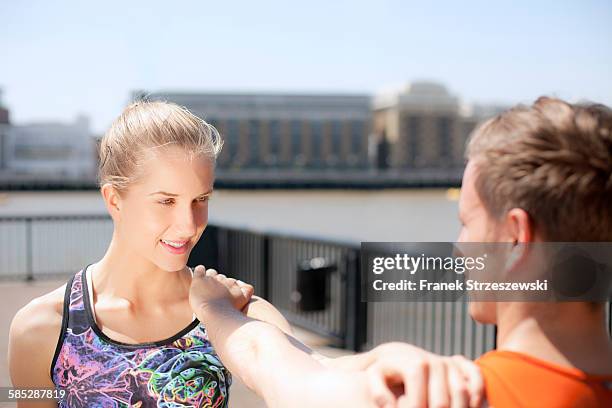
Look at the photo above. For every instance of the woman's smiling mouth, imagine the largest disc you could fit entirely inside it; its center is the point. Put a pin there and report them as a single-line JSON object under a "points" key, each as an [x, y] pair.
{"points": [[175, 247]]}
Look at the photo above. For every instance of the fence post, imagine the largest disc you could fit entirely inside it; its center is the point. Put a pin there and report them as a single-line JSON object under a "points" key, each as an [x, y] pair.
{"points": [[356, 316], [222, 250], [266, 266], [610, 317], [206, 250], [29, 271]]}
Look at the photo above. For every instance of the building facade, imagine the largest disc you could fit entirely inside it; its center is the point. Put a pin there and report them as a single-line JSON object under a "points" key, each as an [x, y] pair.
{"points": [[421, 126], [65, 149], [4, 129], [284, 131]]}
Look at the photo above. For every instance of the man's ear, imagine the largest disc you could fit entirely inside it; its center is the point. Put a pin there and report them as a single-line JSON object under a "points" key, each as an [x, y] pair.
{"points": [[519, 226], [112, 200]]}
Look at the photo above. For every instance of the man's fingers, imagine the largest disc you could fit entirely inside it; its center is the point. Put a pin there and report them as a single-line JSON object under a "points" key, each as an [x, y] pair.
{"points": [[199, 271], [243, 284], [475, 383], [438, 385], [381, 395], [416, 379], [402, 402], [459, 394], [247, 290], [233, 289]]}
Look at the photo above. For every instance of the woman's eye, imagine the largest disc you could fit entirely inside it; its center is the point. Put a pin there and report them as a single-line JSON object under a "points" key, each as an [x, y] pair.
{"points": [[170, 201]]}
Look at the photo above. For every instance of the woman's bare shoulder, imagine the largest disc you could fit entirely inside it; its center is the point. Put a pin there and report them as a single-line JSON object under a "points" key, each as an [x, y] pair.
{"points": [[42, 311], [33, 336]]}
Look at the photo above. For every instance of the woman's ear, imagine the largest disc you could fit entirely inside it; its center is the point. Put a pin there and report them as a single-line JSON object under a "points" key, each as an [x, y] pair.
{"points": [[112, 200]]}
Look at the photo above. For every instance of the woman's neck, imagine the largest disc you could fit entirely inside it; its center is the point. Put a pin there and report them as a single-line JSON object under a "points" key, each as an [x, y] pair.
{"points": [[127, 275]]}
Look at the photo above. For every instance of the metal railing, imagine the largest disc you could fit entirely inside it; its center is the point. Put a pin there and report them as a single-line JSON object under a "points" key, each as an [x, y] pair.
{"points": [[39, 247], [269, 263], [51, 246]]}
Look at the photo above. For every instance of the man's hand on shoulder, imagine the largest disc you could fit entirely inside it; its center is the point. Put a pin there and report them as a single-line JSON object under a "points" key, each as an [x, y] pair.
{"points": [[209, 288], [212, 288]]}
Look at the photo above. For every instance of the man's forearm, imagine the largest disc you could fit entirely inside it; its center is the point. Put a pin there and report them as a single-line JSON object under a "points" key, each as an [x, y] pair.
{"points": [[356, 362], [250, 347]]}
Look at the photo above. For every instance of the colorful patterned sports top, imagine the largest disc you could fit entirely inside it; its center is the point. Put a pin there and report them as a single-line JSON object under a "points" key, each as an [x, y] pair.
{"points": [[96, 371]]}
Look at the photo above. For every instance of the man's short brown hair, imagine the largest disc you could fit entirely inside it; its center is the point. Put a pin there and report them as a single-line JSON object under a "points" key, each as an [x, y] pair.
{"points": [[554, 160]]}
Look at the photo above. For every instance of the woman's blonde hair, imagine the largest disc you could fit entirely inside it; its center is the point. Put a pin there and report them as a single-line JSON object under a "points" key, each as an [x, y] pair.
{"points": [[141, 129]]}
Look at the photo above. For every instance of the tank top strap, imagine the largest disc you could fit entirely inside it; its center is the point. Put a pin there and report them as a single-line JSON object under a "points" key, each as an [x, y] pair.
{"points": [[193, 316], [77, 315]]}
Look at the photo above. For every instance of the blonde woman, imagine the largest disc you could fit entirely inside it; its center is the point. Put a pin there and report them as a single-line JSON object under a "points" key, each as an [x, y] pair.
{"points": [[121, 332]]}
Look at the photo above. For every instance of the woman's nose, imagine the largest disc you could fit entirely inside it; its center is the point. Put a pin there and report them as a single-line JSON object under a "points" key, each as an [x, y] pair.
{"points": [[187, 224]]}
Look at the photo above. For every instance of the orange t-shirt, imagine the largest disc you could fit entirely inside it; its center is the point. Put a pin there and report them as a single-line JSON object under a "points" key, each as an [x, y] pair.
{"points": [[518, 380]]}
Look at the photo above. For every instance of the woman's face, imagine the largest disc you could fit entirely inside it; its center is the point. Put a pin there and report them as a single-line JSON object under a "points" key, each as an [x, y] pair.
{"points": [[163, 215]]}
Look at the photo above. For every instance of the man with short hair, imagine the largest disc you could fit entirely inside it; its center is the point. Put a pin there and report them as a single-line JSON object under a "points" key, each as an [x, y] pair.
{"points": [[537, 174], [534, 174]]}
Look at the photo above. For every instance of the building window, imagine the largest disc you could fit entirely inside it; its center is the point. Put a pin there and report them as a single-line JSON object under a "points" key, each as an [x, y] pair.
{"points": [[413, 128], [357, 148], [336, 138], [274, 140], [43, 152], [444, 139], [317, 143], [254, 143], [232, 135], [296, 138]]}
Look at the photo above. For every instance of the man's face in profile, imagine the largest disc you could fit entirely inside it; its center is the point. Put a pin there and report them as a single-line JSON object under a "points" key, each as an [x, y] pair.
{"points": [[476, 226], [476, 223]]}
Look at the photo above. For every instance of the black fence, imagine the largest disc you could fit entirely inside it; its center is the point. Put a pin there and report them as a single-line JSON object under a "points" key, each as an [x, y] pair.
{"points": [[51, 246], [314, 283], [273, 264], [281, 269]]}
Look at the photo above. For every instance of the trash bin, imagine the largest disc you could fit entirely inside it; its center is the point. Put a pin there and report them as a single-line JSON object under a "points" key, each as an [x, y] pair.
{"points": [[312, 291]]}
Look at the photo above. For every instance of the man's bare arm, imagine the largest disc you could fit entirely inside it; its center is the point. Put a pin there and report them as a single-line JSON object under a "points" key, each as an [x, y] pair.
{"points": [[365, 378], [274, 365]]}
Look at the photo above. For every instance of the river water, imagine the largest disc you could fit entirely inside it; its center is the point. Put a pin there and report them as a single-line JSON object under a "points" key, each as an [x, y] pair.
{"points": [[346, 215]]}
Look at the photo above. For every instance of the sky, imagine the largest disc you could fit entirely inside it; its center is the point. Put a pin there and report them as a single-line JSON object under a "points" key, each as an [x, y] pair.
{"points": [[64, 58]]}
